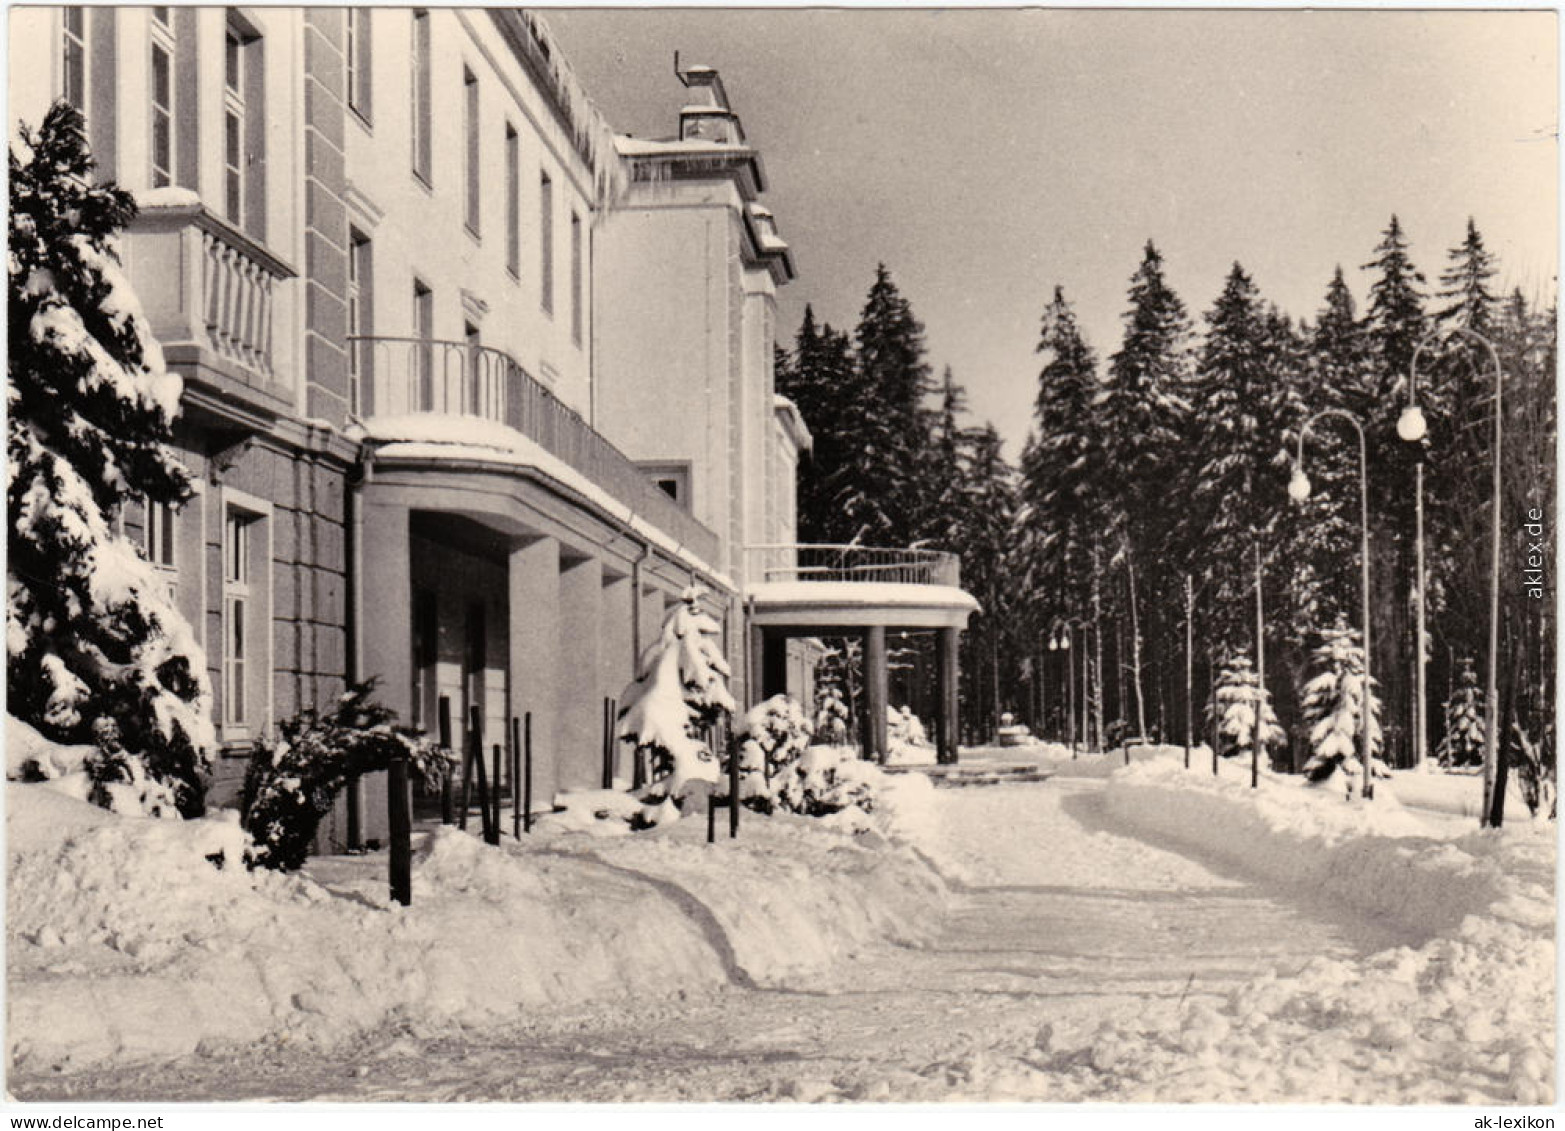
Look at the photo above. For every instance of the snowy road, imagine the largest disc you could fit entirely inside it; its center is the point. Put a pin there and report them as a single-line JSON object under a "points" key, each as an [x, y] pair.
{"points": [[1064, 925]]}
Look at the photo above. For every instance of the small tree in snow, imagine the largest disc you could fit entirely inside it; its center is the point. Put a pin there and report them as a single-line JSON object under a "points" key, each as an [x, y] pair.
{"points": [[770, 740], [679, 695], [831, 713], [1238, 694], [96, 651], [1464, 722], [1332, 707]]}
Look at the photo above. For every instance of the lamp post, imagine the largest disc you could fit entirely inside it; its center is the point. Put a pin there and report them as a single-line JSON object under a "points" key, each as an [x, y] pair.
{"points": [[1299, 489], [1189, 661], [1060, 641], [1411, 427]]}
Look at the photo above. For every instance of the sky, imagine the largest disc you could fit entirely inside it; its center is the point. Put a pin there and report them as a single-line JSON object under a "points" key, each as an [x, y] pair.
{"points": [[986, 156]]}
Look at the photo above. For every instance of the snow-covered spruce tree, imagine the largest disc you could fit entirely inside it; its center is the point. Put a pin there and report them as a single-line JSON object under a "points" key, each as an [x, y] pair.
{"points": [[96, 651], [1332, 704], [831, 711], [1464, 722], [292, 780], [1238, 694], [680, 693]]}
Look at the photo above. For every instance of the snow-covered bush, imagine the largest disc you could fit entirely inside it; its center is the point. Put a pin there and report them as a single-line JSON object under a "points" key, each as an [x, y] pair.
{"points": [[96, 651], [1463, 742], [1239, 692], [678, 695], [831, 713], [770, 740], [826, 780], [1332, 707], [292, 781]]}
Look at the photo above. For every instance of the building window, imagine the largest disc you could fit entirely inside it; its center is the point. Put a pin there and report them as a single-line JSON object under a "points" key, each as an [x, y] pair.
{"points": [[513, 201], [470, 124], [358, 60], [546, 240], [360, 321], [158, 534], [576, 311], [74, 60], [233, 127], [421, 96], [424, 360], [162, 120], [238, 608]]}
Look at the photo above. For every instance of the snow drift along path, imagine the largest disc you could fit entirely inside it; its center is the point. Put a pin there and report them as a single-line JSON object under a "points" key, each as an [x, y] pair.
{"points": [[1075, 956]]}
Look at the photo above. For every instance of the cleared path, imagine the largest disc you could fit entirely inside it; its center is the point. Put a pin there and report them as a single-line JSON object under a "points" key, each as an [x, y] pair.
{"points": [[1062, 924]]}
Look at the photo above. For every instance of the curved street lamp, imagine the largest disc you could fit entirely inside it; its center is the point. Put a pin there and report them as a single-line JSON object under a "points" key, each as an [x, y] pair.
{"points": [[1299, 490], [1060, 641], [1412, 427]]}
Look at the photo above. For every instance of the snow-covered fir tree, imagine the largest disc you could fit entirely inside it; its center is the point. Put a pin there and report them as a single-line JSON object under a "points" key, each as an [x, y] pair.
{"points": [[1239, 694], [820, 378], [96, 651], [1464, 285], [679, 694], [1395, 321], [1333, 709], [1463, 742]]}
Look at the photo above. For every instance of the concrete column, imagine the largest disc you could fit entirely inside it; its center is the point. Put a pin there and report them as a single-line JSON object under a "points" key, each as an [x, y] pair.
{"points": [[948, 702], [875, 693], [533, 593], [581, 687], [774, 664], [387, 632]]}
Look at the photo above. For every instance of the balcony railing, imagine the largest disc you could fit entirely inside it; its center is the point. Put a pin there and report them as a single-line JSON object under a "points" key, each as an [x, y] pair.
{"points": [[391, 376], [210, 292], [823, 562]]}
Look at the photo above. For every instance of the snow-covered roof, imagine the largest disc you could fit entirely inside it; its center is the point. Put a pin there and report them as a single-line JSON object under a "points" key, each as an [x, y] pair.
{"points": [[791, 419], [674, 147], [415, 436], [862, 594]]}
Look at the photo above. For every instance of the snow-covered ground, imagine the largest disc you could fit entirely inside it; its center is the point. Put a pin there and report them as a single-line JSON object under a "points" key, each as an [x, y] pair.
{"points": [[1110, 934]]}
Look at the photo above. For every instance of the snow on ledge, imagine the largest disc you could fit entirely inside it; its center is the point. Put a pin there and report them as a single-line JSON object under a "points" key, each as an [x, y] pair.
{"points": [[860, 594], [432, 436]]}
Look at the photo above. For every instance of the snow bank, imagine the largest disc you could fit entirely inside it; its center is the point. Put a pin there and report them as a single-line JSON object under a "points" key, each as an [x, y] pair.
{"points": [[1467, 1016], [127, 942], [1375, 857]]}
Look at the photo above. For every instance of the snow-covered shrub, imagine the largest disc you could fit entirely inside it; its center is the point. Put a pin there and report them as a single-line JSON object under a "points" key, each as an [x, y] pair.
{"points": [[1463, 742], [826, 780], [1332, 707], [96, 651], [678, 695], [770, 740], [1238, 693], [292, 781]]}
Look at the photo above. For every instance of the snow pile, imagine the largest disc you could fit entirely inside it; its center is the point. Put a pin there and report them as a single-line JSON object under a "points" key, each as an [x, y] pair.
{"points": [[127, 941], [1469, 1012]]}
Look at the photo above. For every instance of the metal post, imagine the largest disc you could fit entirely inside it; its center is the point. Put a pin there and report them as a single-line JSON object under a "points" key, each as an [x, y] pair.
{"points": [[1189, 663], [527, 772], [1420, 703], [1258, 729], [608, 743], [733, 785], [468, 738], [400, 818], [495, 794], [711, 820], [1494, 802], [1070, 690], [491, 828], [1364, 711], [444, 725], [516, 777]]}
